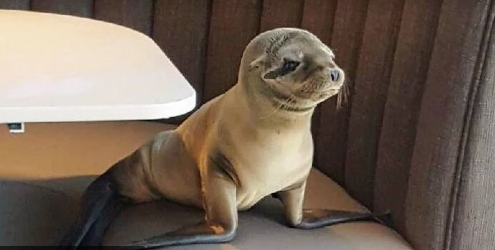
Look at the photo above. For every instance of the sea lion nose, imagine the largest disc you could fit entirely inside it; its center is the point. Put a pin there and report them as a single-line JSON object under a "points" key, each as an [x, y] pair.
{"points": [[334, 75]]}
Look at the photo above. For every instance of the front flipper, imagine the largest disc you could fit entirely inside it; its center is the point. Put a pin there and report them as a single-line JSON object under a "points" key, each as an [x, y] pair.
{"points": [[299, 217], [221, 217], [200, 233], [316, 218]]}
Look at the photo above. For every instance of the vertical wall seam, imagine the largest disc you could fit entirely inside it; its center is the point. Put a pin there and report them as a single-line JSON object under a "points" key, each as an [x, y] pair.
{"points": [[93, 9], [205, 52], [207, 43], [318, 111], [380, 126], [301, 13], [424, 80], [433, 48], [260, 15], [480, 67], [334, 14], [352, 83], [152, 17]]}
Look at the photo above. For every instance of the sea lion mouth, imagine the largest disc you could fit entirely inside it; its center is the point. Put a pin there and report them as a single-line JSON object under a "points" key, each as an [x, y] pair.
{"points": [[341, 93], [304, 100], [317, 93], [289, 102]]}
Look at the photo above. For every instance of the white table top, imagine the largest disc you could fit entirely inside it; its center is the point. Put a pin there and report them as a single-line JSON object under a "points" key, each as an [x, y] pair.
{"points": [[62, 68]]}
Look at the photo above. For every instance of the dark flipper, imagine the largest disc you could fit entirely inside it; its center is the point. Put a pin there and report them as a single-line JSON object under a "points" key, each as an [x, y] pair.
{"points": [[316, 218], [99, 227], [220, 213], [100, 204], [201, 233], [299, 217]]}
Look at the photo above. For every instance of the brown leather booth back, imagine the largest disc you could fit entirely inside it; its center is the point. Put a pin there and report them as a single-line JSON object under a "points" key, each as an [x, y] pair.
{"points": [[415, 68]]}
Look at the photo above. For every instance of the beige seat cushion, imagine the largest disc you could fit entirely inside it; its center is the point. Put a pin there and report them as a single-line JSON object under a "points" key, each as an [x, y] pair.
{"points": [[66, 157]]}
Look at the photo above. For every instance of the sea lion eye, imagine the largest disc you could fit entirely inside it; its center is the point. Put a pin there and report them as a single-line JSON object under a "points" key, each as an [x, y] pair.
{"points": [[285, 69], [289, 66]]}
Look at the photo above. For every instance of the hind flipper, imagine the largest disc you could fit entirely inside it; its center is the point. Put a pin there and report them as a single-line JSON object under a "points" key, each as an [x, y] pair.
{"points": [[97, 231], [101, 196], [122, 184]]}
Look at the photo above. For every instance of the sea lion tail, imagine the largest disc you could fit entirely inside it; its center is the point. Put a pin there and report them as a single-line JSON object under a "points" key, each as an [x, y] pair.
{"points": [[100, 204]]}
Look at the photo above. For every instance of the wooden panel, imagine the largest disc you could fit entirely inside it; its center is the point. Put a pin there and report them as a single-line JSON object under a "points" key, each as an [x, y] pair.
{"points": [[281, 13], [180, 29], [233, 24], [345, 40], [409, 71], [14, 4], [371, 86], [82, 8], [135, 14]]}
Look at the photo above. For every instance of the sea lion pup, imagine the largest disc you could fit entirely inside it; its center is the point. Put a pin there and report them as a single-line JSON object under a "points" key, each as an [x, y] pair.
{"points": [[250, 142]]}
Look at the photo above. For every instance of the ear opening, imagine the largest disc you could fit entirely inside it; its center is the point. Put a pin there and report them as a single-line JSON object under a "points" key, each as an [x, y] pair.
{"points": [[257, 62]]}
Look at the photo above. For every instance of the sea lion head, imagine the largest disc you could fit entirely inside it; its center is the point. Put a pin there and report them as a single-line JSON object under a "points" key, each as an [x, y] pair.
{"points": [[293, 68]]}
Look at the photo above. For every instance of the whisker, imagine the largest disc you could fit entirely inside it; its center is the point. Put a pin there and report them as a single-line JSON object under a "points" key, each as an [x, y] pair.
{"points": [[273, 111], [342, 96], [280, 106], [303, 85], [347, 93], [338, 106], [291, 99]]}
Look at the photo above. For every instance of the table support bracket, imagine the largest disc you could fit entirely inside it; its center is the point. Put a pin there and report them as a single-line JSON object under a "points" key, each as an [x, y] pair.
{"points": [[16, 128]]}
